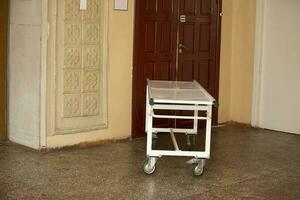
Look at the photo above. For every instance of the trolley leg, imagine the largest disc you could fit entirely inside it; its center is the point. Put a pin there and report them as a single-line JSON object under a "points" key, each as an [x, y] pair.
{"points": [[208, 131], [195, 126], [148, 123], [149, 166], [147, 109], [149, 133], [191, 137]]}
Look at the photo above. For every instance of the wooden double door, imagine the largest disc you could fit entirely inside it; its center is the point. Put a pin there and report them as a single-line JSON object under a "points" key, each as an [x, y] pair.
{"points": [[174, 40]]}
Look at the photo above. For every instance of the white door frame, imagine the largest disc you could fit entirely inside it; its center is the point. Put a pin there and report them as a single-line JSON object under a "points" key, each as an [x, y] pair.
{"points": [[258, 60], [43, 89]]}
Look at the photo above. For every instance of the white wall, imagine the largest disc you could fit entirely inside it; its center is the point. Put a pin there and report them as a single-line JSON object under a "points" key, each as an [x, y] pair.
{"points": [[280, 65], [24, 72]]}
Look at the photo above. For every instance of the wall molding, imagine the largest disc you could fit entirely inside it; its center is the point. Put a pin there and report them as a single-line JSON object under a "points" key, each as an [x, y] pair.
{"points": [[258, 62], [43, 87]]}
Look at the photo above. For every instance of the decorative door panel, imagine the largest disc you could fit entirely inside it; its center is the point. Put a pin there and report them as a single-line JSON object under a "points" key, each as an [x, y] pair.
{"points": [[80, 75]]}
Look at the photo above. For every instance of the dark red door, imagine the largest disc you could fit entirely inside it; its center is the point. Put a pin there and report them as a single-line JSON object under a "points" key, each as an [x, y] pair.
{"points": [[3, 57], [158, 32], [155, 52], [198, 44]]}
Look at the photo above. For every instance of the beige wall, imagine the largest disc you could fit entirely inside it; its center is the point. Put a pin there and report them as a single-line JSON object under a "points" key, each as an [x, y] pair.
{"points": [[225, 62], [237, 54], [243, 34], [237, 49], [237, 59], [120, 53]]}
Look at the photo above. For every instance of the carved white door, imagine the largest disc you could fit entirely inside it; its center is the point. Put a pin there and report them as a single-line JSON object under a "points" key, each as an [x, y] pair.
{"points": [[77, 47]]}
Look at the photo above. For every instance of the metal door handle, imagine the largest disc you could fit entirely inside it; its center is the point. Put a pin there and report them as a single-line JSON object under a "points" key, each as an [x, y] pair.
{"points": [[181, 46]]}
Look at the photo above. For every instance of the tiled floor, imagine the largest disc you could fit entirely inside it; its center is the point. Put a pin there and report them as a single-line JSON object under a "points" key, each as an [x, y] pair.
{"points": [[245, 164]]}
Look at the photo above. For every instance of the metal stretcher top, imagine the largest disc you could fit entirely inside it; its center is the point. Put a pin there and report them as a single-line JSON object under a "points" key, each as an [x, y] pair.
{"points": [[178, 92]]}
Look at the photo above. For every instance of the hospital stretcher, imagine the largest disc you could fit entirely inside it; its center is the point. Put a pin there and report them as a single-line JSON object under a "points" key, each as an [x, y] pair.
{"points": [[177, 96]]}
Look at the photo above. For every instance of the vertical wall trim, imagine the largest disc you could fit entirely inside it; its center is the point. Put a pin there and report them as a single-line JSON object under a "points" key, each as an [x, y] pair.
{"points": [[258, 57], [43, 108]]}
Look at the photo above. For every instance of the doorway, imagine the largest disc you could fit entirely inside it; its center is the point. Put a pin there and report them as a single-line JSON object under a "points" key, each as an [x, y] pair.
{"points": [[3, 63], [276, 100], [174, 40]]}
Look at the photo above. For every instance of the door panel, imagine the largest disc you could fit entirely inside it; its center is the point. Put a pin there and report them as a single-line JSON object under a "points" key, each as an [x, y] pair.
{"points": [[155, 52], [197, 60], [77, 72], [3, 58], [157, 34]]}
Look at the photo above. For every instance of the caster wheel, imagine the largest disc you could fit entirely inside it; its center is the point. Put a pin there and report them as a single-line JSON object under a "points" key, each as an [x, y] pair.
{"points": [[149, 166], [148, 169], [198, 170]]}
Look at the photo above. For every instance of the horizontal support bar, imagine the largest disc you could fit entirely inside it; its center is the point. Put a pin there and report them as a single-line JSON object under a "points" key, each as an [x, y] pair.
{"points": [[168, 101], [175, 130], [178, 117], [196, 154], [179, 107]]}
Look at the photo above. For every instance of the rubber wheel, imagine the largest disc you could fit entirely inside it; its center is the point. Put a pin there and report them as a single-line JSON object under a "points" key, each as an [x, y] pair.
{"points": [[148, 169], [198, 170]]}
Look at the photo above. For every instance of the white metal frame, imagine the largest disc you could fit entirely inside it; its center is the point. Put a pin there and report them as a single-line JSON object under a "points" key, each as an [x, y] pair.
{"points": [[196, 106]]}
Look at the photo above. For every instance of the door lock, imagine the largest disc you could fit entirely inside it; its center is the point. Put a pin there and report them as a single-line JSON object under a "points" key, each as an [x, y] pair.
{"points": [[182, 47], [182, 18]]}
